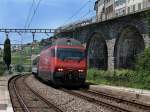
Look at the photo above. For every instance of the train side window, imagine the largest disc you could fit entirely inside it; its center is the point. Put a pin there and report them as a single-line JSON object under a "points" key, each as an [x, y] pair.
{"points": [[53, 52], [35, 61]]}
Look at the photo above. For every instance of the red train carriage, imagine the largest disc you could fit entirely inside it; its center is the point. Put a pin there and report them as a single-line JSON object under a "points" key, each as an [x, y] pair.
{"points": [[63, 63]]}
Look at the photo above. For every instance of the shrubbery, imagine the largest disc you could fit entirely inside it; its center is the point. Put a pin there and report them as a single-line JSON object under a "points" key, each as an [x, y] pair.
{"points": [[116, 77], [19, 68], [143, 61], [138, 78], [143, 69], [2, 68]]}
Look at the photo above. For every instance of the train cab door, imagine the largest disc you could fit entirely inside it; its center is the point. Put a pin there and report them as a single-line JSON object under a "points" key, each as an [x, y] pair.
{"points": [[40, 66], [52, 55], [47, 61], [43, 66]]}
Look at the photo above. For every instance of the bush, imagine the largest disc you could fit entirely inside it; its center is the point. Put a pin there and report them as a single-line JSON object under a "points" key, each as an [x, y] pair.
{"points": [[19, 68], [143, 68], [139, 78], [2, 68], [116, 77], [143, 61]]}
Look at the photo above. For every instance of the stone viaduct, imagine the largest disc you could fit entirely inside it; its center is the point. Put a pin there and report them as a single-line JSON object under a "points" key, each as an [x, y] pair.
{"points": [[114, 43]]}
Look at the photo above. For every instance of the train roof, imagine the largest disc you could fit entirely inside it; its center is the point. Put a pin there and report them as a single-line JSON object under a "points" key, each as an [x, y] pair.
{"points": [[66, 42]]}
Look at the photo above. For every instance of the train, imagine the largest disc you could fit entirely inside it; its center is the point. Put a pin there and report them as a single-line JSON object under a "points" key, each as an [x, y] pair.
{"points": [[35, 64], [64, 62]]}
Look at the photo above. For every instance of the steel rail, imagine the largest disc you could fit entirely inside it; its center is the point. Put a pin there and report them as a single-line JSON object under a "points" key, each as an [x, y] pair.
{"points": [[95, 101], [20, 99], [22, 102], [50, 104], [134, 103]]}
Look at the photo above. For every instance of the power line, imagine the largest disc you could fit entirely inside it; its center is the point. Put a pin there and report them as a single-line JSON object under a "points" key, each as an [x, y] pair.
{"points": [[29, 13], [27, 19], [34, 13], [89, 12], [84, 5]]}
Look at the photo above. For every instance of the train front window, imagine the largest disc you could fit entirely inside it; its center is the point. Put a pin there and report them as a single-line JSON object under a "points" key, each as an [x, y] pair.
{"points": [[70, 53]]}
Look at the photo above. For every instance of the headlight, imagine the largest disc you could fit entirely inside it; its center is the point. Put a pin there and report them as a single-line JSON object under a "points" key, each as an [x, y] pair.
{"points": [[80, 70], [60, 69]]}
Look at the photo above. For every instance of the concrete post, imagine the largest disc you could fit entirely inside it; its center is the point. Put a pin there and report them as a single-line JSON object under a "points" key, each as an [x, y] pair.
{"points": [[110, 46], [146, 40]]}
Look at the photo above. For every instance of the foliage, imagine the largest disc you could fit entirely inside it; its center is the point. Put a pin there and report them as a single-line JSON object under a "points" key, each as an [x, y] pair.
{"points": [[7, 52], [146, 15], [25, 57], [116, 77], [143, 61], [19, 68], [139, 78], [143, 68], [2, 68]]}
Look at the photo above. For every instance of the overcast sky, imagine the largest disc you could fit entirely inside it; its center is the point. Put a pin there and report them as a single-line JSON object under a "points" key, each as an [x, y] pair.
{"points": [[50, 14]]}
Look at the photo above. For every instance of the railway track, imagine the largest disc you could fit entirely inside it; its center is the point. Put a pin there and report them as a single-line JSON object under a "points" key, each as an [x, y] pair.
{"points": [[25, 99], [132, 106], [111, 102]]}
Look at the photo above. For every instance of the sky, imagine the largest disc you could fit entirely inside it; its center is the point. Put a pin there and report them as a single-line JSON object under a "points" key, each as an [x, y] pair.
{"points": [[50, 14]]}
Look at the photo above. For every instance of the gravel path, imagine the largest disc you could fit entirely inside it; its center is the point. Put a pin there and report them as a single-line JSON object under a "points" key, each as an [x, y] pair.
{"points": [[63, 100]]}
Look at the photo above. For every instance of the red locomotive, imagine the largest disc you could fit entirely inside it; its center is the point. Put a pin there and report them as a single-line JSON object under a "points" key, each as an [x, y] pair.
{"points": [[63, 63]]}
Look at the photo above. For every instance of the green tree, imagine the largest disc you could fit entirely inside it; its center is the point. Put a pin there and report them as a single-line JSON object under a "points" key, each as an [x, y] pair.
{"points": [[7, 52], [143, 61], [146, 15], [19, 68]]}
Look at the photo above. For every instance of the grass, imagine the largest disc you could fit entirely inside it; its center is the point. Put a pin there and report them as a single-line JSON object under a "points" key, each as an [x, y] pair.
{"points": [[25, 56], [17, 59], [126, 78]]}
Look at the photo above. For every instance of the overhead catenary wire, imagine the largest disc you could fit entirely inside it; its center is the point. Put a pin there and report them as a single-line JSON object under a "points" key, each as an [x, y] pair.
{"points": [[86, 14], [27, 19], [29, 13], [32, 17], [78, 11]]}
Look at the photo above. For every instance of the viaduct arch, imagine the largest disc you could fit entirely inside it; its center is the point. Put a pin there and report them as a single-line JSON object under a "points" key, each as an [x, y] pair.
{"points": [[128, 45], [97, 51]]}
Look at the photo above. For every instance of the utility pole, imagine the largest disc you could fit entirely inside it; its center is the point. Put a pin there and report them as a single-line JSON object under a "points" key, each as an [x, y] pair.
{"points": [[20, 60], [33, 35]]}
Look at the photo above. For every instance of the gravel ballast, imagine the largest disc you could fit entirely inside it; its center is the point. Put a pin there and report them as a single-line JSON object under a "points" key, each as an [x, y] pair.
{"points": [[63, 100]]}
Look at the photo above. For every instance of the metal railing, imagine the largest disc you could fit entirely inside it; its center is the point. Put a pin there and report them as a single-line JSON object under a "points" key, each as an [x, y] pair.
{"points": [[78, 24], [95, 19]]}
